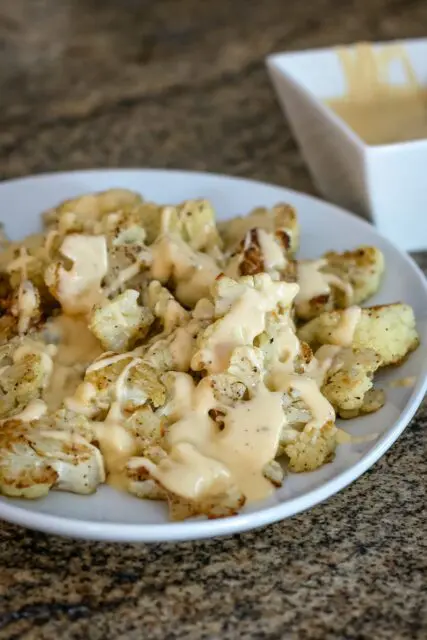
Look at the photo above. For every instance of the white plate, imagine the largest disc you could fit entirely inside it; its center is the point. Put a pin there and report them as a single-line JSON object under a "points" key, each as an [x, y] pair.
{"points": [[109, 515]]}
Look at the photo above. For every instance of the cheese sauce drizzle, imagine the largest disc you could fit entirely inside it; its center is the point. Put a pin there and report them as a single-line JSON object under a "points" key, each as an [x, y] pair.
{"points": [[314, 282], [206, 457]]}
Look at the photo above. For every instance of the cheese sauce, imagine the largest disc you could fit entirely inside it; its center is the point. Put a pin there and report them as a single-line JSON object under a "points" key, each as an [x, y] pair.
{"points": [[321, 410], [380, 112], [341, 336], [33, 411], [283, 351], [190, 474], [79, 289], [288, 347], [193, 272], [229, 332], [322, 362], [343, 333], [272, 258], [408, 381], [235, 450], [273, 254], [117, 443], [314, 282], [75, 348], [81, 400]]}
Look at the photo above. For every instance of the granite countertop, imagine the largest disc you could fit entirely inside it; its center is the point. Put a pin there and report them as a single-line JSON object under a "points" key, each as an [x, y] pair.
{"points": [[87, 83]]}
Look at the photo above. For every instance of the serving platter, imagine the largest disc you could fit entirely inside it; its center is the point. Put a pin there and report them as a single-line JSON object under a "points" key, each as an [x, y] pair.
{"points": [[114, 516]]}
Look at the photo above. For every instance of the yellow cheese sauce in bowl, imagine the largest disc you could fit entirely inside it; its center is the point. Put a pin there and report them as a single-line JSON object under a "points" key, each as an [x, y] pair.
{"points": [[378, 111]]}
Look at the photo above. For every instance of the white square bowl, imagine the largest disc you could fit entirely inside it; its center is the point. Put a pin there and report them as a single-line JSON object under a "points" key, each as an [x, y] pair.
{"points": [[386, 184]]}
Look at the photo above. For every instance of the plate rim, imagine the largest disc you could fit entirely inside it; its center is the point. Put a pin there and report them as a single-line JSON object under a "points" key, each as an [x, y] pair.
{"points": [[193, 530]]}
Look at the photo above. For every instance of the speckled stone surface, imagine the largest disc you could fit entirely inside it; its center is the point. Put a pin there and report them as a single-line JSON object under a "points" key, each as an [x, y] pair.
{"points": [[88, 83]]}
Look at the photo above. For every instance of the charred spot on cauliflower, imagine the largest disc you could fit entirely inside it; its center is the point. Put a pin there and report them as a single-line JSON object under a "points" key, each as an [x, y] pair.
{"points": [[282, 218], [262, 252]]}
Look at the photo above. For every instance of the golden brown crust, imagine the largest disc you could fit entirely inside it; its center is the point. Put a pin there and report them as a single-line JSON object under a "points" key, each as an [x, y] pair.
{"points": [[281, 218], [252, 261]]}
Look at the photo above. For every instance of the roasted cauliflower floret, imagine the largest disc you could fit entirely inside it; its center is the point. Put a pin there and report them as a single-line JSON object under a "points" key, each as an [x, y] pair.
{"points": [[140, 483], [80, 215], [280, 344], [241, 308], [213, 494], [214, 452], [337, 281], [132, 224], [140, 383], [65, 420], [27, 261], [227, 390], [79, 288], [22, 472], [349, 380], [281, 218], [309, 452], [28, 254], [308, 436], [32, 461], [194, 221], [120, 323], [373, 401], [179, 393], [389, 330], [244, 373], [319, 290], [363, 268], [146, 426], [122, 436], [219, 506], [128, 261], [128, 235], [247, 365], [26, 373]]}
